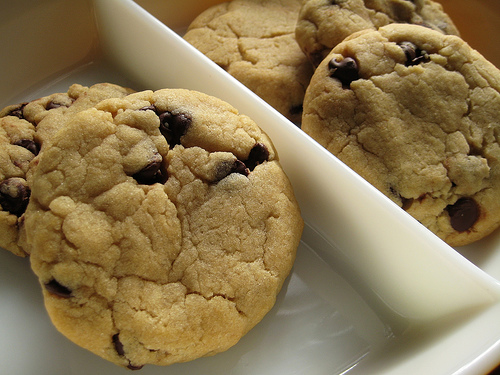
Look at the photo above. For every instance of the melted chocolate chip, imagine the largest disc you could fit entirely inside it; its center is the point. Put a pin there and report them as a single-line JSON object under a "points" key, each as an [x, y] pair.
{"points": [[53, 287], [52, 105], [14, 195], [174, 126], [463, 214], [118, 344], [133, 367], [18, 111], [227, 168], [414, 55], [240, 168], [29, 145], [121, 352], [152, 173], [410, 51], [258, 154], [148, 108], [345, 70]]}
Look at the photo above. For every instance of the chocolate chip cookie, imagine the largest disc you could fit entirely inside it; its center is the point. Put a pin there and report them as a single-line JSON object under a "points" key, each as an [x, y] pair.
{"points": [[24, 129], [417, 114], [323, 24], [161, 227], [254, 41]]}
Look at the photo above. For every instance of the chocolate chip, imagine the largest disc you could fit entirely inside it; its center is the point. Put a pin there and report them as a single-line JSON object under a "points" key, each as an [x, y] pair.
{"points": [[153, 172], [240, 168], [29, 145], [53, 287], [345, 70], [463, 214], [121, 352], [118, 344], [226, 168], [14, 195], [174, 126], [18, 111], [52, 105], [414, 55], [148, 108], [258, 154], [410, 51], [132, 367]]}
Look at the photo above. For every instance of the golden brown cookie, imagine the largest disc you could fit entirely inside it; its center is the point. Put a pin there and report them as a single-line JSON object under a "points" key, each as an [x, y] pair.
{"points": [[254, 41], [417, 114], [323, 24], [24, 129], [161, 227]]}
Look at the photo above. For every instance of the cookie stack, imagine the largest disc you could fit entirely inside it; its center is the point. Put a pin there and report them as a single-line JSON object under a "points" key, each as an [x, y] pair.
{"points": [[395, 94], [160, 225]]}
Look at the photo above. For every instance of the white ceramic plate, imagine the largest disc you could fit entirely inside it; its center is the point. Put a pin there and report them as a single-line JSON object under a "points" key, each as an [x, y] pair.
{"points": [[372, 291]]}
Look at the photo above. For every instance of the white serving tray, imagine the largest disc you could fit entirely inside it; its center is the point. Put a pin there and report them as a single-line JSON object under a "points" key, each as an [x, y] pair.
{"points": [[372, 291]]}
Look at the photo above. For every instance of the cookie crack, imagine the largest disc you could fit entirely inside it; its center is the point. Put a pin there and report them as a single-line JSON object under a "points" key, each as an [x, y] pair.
{"points": [[233, 300]]}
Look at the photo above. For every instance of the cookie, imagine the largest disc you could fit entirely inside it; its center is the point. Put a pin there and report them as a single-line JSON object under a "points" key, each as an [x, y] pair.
{"points": [[24, 129], [254, 41], [17, 149], [161, 227], [417, 114], [323, 24]]}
